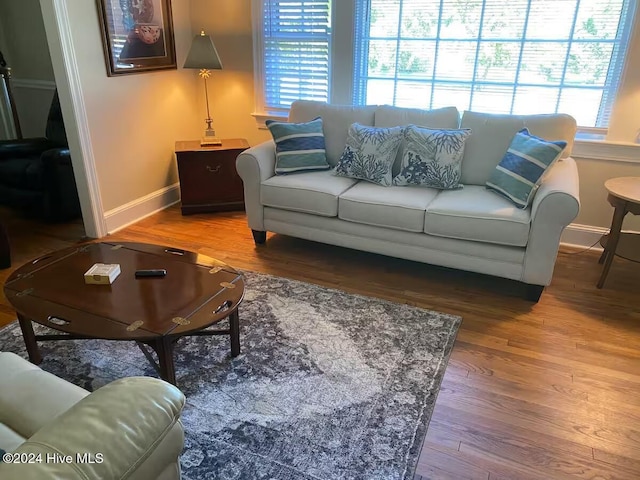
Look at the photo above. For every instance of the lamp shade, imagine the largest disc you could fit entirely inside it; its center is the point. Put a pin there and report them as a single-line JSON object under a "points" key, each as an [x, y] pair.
{"points": [[203, 54]]}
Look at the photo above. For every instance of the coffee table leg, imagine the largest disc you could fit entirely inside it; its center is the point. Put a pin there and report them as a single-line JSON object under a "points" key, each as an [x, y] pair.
{"points": [[234, 332], [164, 349], [30, 340]]}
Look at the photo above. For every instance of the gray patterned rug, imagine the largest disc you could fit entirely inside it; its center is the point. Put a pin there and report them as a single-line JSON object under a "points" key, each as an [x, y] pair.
{"points": [[329, 385]]}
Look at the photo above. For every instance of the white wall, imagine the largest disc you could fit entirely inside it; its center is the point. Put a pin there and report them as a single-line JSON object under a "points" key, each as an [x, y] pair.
{"points": [[133, 121], [595, 211]]}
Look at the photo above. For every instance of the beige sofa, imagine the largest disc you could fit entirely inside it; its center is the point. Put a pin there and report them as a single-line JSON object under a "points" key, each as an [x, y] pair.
{"points": [[128, 429], [472, 229]]}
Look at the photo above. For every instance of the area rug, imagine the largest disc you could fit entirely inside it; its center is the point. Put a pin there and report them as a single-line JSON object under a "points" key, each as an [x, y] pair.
{"points": [[328, 386]]}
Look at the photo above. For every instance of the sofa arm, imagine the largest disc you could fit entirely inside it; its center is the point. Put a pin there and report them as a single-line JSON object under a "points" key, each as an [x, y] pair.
{"points": [[254, 166], [119, 426], [555, 206]]}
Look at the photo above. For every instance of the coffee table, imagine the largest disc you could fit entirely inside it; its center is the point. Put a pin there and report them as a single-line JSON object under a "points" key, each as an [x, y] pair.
{"points": [[197, 292]]}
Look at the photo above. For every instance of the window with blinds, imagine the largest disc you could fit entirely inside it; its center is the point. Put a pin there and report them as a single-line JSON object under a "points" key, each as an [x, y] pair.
{"points": [[296, 41], [517, 56]]}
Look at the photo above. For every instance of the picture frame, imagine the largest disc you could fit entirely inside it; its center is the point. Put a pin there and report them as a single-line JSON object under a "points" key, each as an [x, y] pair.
{"points": [[137, 35]]}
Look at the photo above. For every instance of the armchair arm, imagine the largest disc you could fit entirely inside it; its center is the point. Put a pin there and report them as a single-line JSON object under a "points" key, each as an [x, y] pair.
{"points": [[556, 204], [254, 166], [25, 148], [133, 423]]}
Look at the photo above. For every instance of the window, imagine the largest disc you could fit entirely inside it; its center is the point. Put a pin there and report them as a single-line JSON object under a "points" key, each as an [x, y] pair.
{"points": [[294, 46], [518, 56]]}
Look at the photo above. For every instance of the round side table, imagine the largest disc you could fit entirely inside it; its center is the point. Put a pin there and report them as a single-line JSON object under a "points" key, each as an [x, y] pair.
{"points": [[624, 196]]}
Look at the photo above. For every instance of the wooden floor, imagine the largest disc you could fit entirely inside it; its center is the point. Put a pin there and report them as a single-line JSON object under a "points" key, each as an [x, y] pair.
{"points": [[532, 391]]}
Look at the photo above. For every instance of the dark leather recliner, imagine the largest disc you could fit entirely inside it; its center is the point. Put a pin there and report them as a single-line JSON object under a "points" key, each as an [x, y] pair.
{"points": [[36, 174]]}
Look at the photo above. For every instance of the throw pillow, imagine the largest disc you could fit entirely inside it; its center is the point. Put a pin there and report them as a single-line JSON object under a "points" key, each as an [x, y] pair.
{"points": [[299, 146], [432, 158], [370, 153], [520, 171]]}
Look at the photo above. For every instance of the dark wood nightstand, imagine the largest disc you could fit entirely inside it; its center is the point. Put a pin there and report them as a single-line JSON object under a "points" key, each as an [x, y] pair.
{"points": [[208, 178]]}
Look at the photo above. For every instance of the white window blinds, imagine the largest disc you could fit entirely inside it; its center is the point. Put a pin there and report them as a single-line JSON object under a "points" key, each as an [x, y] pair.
{"points": [[517, 56], [295, 45]]}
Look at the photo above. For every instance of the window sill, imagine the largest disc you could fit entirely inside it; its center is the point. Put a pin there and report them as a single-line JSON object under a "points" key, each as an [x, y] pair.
{"points": [[609, 151], [263, 117]]}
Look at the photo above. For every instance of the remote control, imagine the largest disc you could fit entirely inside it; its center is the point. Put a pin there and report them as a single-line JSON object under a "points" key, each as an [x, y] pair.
{"points": [[158, 272]]}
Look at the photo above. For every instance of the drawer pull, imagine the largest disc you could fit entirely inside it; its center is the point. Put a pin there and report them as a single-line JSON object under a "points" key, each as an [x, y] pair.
{"points": [[213, 170]]}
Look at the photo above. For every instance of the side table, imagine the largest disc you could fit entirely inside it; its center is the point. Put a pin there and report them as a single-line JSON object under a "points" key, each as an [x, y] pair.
{"points": [[624, 196], [209, 181]]}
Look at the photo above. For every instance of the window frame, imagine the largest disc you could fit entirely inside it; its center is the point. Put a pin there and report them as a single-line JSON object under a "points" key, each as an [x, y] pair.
{"points": [[612, 81], [262, 112]]}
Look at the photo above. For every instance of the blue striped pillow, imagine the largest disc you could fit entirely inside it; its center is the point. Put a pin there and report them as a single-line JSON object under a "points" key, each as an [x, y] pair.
{"points": [[299, 146], [520, 171]]}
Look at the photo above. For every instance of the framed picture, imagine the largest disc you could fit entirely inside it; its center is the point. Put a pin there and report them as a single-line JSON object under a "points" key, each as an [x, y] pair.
{"points": [[137, 35]]}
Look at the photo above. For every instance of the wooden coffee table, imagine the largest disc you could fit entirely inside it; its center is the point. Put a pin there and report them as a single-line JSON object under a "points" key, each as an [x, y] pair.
{"points": [[197, 292]]}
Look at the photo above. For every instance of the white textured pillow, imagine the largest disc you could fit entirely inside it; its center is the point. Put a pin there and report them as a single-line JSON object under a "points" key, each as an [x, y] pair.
{"points": [[370, 153], [432, 158]]}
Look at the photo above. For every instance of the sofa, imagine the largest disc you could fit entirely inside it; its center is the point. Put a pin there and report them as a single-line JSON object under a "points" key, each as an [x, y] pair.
{"points": [[129, 428], [472, 228]]}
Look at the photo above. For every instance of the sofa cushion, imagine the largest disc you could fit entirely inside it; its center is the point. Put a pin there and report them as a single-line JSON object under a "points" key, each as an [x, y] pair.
{"points": [[475, 213], [336, 120], [388, 116], [492, 134], [299, 146], [520, 172], [312, 192], [401, 208], [370, 153], [25, 173], [432, 158]]}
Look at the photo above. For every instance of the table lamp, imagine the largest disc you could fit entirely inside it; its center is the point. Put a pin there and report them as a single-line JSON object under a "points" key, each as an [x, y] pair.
{"points": [[204, 56]]}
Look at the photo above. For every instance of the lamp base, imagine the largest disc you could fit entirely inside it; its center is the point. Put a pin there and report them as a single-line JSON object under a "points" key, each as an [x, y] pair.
{"points": [[210, 138], [210, 141]]}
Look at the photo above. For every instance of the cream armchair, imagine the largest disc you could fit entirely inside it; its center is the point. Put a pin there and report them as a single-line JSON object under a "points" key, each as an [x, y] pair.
{"points": [[128, 429]]}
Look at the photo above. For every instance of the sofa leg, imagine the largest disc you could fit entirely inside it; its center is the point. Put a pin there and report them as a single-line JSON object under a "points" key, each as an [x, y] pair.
{"points": [[259, 236], [533, 292]]}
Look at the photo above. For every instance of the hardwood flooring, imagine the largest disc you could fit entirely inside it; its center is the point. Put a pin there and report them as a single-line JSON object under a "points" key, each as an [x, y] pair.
{"points": [[532, 391]]}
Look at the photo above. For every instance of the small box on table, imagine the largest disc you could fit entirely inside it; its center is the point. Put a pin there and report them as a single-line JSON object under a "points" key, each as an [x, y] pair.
{"points": [[102, 273]]}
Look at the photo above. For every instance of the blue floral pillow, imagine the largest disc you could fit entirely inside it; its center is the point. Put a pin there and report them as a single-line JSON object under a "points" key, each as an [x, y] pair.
{"points": [[432, 158], [370, 153]]}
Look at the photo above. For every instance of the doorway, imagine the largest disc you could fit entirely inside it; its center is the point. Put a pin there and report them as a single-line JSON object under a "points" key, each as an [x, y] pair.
{"points": [[24, 43]]}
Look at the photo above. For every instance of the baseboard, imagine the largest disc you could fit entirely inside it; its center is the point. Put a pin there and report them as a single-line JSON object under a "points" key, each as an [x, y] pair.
{"points": [[582, 236], [134, 211]]}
